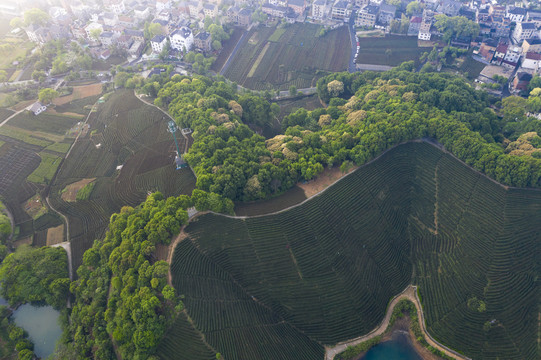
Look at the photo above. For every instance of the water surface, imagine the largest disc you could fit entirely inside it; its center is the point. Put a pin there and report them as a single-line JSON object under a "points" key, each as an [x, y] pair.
{"points": [[398, 348], [41, 323]]}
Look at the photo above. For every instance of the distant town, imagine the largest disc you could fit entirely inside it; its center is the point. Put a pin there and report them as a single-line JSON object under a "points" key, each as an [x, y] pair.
{"points": [[501, 37]]}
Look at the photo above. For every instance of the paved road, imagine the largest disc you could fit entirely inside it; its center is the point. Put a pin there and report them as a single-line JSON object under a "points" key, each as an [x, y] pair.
{"points": [[232, 56], [353, 39]]}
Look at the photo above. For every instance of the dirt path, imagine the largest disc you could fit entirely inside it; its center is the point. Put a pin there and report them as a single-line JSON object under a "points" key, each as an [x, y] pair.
{"points": [[410, 293], [12, 116]]}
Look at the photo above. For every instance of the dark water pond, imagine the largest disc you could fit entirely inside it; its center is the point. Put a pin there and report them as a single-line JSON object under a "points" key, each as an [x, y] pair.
{"points": [[398, 348]]}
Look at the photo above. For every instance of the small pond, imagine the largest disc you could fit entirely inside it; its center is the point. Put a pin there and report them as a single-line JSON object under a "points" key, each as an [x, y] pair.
{"points": [[41, 323], [398, 348]]}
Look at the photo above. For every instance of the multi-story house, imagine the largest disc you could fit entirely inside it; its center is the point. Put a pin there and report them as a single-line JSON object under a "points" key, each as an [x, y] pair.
{"points": [[535, 17], [499, 53], [516, 14], [210, 10], [141, 12], [162, 5], [500, 27], [496, 10], [117, 6], [202, 41], [319, 9], [367, 16], [181, 39], [158, 42], [449, 7], [106, 38], [110, 19], [524, 31], [386, 13], [298, 6], [340, 10], [194, 7], [531, 45], [531, 61]]}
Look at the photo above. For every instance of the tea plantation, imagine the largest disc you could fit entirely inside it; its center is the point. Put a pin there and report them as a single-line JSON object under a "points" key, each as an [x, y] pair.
{"points": [[281, 286]]}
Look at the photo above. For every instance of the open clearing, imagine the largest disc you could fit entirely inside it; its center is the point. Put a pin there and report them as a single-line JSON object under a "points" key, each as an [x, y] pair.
{"points": [[327, 269], [35, 207], [391, 50], [280, 57], [79, 92], [55, 235], [70, 192]]}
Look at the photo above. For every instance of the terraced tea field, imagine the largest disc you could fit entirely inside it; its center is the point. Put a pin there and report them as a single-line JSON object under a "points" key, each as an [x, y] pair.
{"points": [[324, 271], [278, 58], [129, 152]]}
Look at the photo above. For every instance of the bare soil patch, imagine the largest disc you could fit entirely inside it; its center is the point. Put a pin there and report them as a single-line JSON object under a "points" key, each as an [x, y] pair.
{"points": [[55, 235], [323, 180], [79, 92], [70, 191]]}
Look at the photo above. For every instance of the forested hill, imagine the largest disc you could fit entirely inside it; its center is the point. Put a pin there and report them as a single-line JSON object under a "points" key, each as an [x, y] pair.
{"points": [[367, 114]]}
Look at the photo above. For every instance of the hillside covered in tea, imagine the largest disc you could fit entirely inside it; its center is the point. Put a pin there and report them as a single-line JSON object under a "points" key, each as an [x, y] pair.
{"points": [[281, 286]]}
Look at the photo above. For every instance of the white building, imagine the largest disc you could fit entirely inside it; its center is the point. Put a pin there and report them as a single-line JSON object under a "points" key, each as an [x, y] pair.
{"points": [[424, 35], [210, 10], [162, 5], [516, 14], [141, 12], [37, 108], [118, 6], [181, 39], [158, 42], [531, 61], [524, 31], [319, 9]]}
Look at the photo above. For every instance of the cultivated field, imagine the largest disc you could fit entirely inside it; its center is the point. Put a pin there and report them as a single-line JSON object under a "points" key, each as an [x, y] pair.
{"points": [[79, 92], [278, 58], [130, 153], [330, 266], [390, 50]]}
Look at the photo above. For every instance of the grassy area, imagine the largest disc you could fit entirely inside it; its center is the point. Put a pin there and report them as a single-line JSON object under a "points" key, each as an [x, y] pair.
{"points": [[280, 57], [390, 50], [54, 124], [85, 192], [330, 266], [24, 136], [46, 169], [471, 67], [19, 49], [60, 147]]}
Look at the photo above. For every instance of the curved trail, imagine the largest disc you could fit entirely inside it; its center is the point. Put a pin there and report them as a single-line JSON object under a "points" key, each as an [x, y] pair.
{"points": [[410, 293]]}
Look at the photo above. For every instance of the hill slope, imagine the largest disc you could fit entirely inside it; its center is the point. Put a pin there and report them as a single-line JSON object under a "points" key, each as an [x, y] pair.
{"points": [[328, 267]]}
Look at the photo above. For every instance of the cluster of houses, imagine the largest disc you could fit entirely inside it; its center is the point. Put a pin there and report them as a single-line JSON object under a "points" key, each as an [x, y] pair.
{"points": [[120, 23]]}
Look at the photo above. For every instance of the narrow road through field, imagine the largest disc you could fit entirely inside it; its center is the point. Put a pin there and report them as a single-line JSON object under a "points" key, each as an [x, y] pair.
{"points": [[410, 293], [353, 38], [233, 53], [12, 116]]}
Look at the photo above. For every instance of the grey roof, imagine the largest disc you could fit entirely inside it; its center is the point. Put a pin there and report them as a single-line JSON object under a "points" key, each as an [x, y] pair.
{"points": [[158, 39], [517, 11], [106, 34], [245, 12], [298, 3], [371, 9], [528, 26], [202, 36], [320, 2], [533, 41], [183, 31], [138, 33], [341, 4], [387, 8]]}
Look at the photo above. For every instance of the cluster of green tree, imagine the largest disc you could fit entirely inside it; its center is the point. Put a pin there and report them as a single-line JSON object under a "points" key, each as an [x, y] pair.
{"points": [[32, 16], [35, 275], [455, 27], [130, 79], [446, 56], [218, 33], [200, 63], [121, 293], [13, 339], [400, 26], [367, 114], [5, 229]]}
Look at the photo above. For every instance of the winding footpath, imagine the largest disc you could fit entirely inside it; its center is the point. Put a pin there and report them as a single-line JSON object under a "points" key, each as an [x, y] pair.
{"points": [[410, 293]]}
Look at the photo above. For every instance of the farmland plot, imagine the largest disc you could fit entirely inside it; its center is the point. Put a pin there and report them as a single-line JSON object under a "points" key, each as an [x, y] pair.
{"points": [[329, 266], [130, 153], [391, 50], [278, 58]]}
